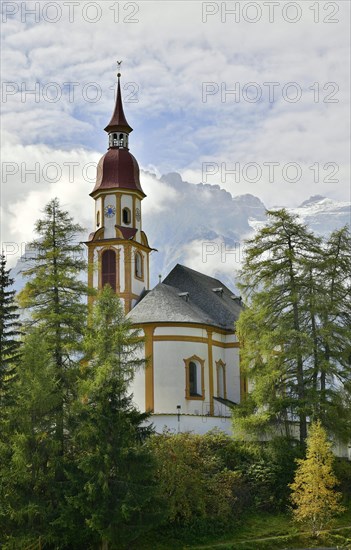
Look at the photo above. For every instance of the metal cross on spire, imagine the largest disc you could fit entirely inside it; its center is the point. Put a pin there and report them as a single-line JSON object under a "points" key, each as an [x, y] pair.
{"points": [[119, 63]]}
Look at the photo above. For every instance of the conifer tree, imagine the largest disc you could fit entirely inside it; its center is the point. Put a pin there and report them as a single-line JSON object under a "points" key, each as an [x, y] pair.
{"points": [[27, 473], [9, 334], [332, 368], [313, 491], [295, 333], [273, 328], [54, 295], [115, 491], [37, 447]]}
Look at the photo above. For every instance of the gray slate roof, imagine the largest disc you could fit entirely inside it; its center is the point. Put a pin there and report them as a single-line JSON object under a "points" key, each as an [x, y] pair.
{"points": [[163, 303]]}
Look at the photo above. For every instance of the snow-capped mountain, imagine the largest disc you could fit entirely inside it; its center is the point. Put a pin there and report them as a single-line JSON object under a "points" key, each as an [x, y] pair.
{"points": [[203, 226]]}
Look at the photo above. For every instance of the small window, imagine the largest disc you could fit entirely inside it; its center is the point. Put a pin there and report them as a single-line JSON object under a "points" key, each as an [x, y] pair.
{"points": [[221, 379], [138, 265], [194, 378], [126, 216], [98, 219]]}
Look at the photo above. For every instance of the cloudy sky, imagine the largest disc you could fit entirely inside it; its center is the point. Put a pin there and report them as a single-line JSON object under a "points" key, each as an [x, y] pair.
{"points": [[252, 96]]}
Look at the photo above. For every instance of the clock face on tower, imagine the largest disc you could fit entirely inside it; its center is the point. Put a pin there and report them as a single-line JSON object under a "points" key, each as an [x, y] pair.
{"points": [[137, 214], [110, 211]]}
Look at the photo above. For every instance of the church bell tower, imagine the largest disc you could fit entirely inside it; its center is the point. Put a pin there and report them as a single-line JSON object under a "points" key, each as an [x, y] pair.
{"points": [[118, 249]]}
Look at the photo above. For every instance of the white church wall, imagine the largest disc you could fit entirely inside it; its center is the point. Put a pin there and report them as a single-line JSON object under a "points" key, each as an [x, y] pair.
{"points": [[137, 388], [121, 269], [127, 202], [218, 354], [138, 222], [180, 331], [98, 208], [232, 374], [137, 284], [109, 223], [95, 268], [225, 338], [187, 423], [169, 376]]}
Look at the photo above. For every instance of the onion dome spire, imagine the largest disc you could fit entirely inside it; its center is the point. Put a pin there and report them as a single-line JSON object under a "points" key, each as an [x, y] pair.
{"points": [[118, 122]]}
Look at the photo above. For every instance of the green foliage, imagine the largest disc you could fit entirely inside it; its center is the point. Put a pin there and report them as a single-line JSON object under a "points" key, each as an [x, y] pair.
{"points": [[212, 480], [197, 485], [113, 470], [38, 442], [295, 332], [28, 475], [54, 293], [342, 469], [54, 296], [313, 495], [9, 336]]}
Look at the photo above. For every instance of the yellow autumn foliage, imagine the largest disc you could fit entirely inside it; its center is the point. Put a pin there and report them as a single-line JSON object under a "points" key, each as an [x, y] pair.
{"points": [[314, 497]]}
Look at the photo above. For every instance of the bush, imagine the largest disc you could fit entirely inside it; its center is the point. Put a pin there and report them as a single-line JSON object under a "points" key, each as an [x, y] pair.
{"points": [[342, 470], [211, 480], [194, 478]]}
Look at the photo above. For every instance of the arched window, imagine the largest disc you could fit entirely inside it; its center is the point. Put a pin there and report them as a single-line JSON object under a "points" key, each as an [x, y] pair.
{"points": [[126, 216], [194, 378], [108, 269], [98, 219], [115, 142], [138, 265], [221, 379]]}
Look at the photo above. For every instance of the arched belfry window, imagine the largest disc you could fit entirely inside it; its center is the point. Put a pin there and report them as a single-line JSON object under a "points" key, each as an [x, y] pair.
{"points": [[108, 269], [126, 216], [98, 219], [138, 265], [194, 378]]}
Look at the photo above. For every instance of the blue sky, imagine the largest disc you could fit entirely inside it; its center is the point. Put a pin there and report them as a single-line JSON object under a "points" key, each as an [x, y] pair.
{"points": [[172, 50]]}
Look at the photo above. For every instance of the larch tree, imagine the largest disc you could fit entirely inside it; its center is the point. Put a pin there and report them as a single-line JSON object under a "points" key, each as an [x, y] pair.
{"points": [[314, 497], [272, 328], [55, 299], [54, 295], [332, 334], [294, 332]]}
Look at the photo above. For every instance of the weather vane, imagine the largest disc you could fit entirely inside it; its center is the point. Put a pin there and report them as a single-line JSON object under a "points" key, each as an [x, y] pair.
{"points": [[119, 63]]}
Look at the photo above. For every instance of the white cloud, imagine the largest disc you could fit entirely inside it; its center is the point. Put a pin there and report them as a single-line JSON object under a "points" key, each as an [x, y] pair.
{"points": [[169, 54]]}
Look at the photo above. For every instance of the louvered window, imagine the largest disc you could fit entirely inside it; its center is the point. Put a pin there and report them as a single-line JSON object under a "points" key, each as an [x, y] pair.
{"points": [[108, 268]]}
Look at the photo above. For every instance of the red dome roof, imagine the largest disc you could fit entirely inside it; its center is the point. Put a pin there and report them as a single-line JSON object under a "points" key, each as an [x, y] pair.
{"points": [[117, 169]]}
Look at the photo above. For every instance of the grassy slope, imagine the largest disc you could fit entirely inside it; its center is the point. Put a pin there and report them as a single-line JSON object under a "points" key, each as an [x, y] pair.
{"points": [[275, 531]]}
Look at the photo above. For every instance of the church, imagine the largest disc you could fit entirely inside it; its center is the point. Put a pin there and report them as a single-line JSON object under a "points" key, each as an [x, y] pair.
{"points": [[192, 377]]}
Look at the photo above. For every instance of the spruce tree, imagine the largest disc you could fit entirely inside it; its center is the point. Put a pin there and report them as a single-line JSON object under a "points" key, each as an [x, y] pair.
{"points": [[115, 491], [9, 334], [29, 492], [313, 491]]}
